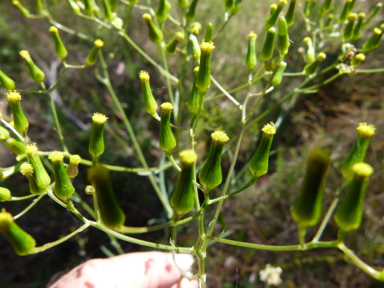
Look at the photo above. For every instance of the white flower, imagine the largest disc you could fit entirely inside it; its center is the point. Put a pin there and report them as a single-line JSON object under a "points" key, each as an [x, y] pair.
{"points": [[271, 275]]}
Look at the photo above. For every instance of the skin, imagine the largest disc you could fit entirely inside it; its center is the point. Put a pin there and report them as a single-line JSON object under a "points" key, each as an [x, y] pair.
{"points": [[140, 270]]}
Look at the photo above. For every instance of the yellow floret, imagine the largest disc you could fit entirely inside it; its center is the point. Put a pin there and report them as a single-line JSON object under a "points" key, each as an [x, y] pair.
{"points": [[30, 149], [147, 17], [283, 2], [362, 15], [196, 70], [98, 43], [377, 31], [366, 130], [269, 129], [362, 169], [53, 30], [56, 156], [99, 118], [252, 35], [307, 39], [15, 2], [26, 169], [219, 137], [24, 54], [321, 56], [360, 57], [180, 35], [166, 107], [13, 96], [207, 46], [144, 76], [75, 159], [352, 16], [188, 157]]}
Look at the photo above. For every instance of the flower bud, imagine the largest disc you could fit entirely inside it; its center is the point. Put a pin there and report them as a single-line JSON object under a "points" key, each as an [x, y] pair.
{"points": [[310, 68], [92, 56], [359, 149], [61, 51], [5, 194], [307, 8], [203, 80], [272, 18], [251, 59], [170, 48], [357, 60], [210, 174], [6, 82], [196, 28], [329, 20], [310, 56], [194, 98], [39, 173], [162, 11], [196, 52], [112, 216], [209, 33], [132, 2], [89, 190], [96, 142], [36, 73], [22, 9], [237, 8], [374, 11], [290, 15], [183, 4], [149, 100], [374, 41], [325, 8], [89, 7], [4, 134], [346, 9], [356, 33], [278, 77], [182, 199], [307, 208], [259, 162], [15, 146], [349, 214], [20, 121], [190, 14], [282, 36], [269, 44], [63, 187], [21, 241], [272, 8], [27, 170], [167, 141], [229, 4], [348, 30], [74, 7], [155, 34], [73, 166], [39, 6], [107, 10], [9, 171]]}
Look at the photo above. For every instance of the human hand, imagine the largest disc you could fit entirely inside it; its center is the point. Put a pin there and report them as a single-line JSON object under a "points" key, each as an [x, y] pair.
{"points": [[133, 270]]}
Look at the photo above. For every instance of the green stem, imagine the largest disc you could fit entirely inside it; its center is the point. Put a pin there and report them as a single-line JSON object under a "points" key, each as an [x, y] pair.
{"points": [[378, 275], [146, 56], [378, 70], [249, 184], [55, 118], [23, 197], [61, 240], [165, 63], [306, 246], [229, 96], [107, 83], [141, 242], [34, 202]]}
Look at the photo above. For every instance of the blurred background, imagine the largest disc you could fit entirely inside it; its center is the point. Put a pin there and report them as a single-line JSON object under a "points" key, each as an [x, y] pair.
{"points": [[261, 214]]}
